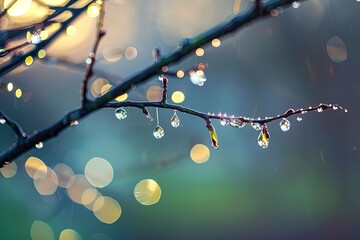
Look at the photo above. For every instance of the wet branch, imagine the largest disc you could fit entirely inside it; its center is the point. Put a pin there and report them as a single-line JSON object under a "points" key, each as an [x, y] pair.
{"points": [[187, 46]]}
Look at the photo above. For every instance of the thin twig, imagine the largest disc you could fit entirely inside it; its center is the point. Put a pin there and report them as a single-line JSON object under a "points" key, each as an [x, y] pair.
{"points": [[90, 61], [19, 132]]}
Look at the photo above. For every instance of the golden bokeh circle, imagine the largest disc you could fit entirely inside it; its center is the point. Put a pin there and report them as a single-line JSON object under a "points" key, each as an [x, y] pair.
{"points": [[147, 192], [107, 209], [200, 153], [99, 172]]}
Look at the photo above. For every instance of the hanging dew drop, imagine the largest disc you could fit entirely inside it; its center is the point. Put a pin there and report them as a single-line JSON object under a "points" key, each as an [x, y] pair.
{"points": [[39, 145], [175, 120], [120, 113], [299, 119], [2, 121], [158, 132], [285, 125], [264, 136]]}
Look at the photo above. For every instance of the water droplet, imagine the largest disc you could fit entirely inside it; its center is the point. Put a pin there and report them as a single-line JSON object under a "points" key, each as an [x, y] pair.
{"points": [[158, 132], [319, 109], [2, 121], [335, 107], [39, 145], [345, 110], [285, 125], [296, 4], [175, 120], [74, 123], [36, 38], [263, 139], [198, 77], [237, 123], [224, 121], [299, 119], [120, 113], [256, 126]]}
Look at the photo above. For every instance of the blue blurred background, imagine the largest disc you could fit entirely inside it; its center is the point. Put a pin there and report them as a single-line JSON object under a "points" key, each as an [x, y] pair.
{"points": [[304, 186]]}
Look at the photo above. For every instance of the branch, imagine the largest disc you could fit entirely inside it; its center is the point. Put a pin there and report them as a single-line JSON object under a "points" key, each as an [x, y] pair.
{"points": [[92, 55], [185, 47], [19, 132], [17, 60]]}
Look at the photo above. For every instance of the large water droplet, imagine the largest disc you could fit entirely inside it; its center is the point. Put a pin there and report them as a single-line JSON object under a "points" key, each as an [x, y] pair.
{"points": [[237, 123], [158, 132], [263, 139], [120, 113], [36, 38], [39, 145], [175, 120], [285, 125], [2, 121]]}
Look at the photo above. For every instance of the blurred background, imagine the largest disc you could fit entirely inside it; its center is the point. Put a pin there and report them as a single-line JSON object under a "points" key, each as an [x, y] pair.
{"points": [[81, 184]]}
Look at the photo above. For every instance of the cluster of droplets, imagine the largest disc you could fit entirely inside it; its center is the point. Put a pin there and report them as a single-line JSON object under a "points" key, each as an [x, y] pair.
{"points": [[158, 132]]}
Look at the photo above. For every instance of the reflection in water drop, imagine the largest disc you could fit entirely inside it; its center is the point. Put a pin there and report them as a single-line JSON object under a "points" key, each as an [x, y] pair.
{"points": [[336, 49], [158, 132]]}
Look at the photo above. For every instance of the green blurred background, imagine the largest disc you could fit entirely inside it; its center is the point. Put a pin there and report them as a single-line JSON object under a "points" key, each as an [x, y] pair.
{"points": [[304, 186]]}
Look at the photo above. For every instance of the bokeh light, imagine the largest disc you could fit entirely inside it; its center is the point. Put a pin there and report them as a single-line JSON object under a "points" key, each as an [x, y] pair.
{"points": [[19, 8], [48, 184], [180, 74], [93, 10], [29, 60], [69, 234], [178, 97], [89, 197], [122, 97], [99, 172], [200, 153], [336, 49], [41, 53], [79, 185], [10, 86], [105, 88], [216, 42], [71, 31], [154, 93], [64, 174], [147, 192], [41, 230], [107, 209], [130, 53], [200, 52], [9, 170], [18, 93], [112, 54], [97, 85], [35, 165]]}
